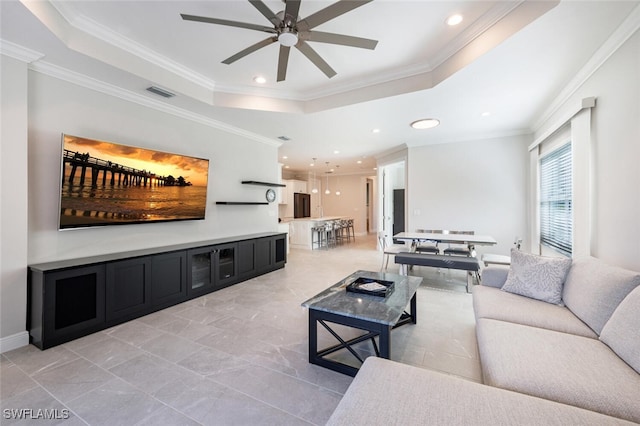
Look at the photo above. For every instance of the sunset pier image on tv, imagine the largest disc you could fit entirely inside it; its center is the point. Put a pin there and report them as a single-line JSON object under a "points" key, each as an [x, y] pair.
{"points": [[105, 183]]}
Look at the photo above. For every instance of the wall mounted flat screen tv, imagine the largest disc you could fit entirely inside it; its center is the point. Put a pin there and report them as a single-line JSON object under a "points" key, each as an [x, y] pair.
{"points": [[105, 183]]}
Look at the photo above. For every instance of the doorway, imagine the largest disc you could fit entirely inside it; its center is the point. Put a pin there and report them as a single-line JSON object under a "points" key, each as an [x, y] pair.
{"points": [[392, 198]]}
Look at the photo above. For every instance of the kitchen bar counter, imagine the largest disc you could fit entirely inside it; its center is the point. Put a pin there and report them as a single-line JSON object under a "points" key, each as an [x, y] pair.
{"points": [[300, 230]]}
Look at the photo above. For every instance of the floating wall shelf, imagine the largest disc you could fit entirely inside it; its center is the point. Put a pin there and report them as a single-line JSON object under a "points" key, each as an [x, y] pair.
{"points": [[242, 203], [254, 182]]}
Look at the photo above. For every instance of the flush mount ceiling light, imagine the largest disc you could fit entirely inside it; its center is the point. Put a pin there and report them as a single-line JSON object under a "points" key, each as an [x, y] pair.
{"points": [[425, 123]]}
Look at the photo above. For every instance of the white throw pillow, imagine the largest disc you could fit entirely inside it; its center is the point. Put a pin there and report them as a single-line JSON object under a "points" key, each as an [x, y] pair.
{"points": [[537, 277]]}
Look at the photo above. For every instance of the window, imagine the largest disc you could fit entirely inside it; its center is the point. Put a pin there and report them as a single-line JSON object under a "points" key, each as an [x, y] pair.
{"points": [[556, 200]]}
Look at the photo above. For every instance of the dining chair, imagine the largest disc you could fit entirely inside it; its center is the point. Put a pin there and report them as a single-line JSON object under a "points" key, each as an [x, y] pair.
{"points": [[429, 247], [459, 249], [390, 249], [500, 259]]}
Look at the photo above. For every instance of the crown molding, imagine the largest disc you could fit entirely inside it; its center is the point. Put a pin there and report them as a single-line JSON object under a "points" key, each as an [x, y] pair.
{"points": [[475, 30], [18, 52], [101, 32], [627, 29], [86, 25], [475, 138], [490, 18], [127, 95]]}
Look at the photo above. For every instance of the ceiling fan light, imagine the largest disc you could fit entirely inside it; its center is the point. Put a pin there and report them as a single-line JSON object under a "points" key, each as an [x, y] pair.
{"points": [[287, 38]]}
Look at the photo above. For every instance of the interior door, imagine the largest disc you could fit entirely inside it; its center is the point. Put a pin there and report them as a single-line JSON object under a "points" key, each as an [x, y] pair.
{"points": [[398, 211]]}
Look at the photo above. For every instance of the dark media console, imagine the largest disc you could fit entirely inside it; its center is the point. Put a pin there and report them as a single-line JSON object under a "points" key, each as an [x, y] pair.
{"points": [[72, 298]]}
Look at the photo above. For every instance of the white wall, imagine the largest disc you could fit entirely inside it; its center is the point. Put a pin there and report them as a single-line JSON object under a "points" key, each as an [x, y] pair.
{"points": [[13, 208], [478, 185], [615, 180], [36, 110], [57, 107], [351, 201]]}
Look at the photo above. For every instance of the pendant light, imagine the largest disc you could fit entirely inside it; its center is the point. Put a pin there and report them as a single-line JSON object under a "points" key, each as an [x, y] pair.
{"points": [[314, 187], [338, 180], [327, 191]]}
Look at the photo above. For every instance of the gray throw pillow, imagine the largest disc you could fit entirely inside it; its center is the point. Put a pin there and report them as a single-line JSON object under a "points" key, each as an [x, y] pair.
{"points": [[537, 277]]}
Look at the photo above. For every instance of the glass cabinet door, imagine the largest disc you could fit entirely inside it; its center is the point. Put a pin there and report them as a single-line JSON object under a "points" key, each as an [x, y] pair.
{"points": [[226, 264], [200, 270]]}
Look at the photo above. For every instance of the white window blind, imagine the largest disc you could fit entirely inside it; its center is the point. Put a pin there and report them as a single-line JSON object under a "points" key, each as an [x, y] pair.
{"points": [[556, 200]]}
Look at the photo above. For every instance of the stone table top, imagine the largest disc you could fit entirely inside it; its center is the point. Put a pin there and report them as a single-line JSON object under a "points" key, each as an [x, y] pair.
{"points": [[384, 310]]}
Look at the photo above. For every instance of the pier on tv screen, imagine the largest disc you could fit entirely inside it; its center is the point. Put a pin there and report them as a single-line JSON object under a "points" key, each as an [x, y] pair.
{"points": [[105, 183]]}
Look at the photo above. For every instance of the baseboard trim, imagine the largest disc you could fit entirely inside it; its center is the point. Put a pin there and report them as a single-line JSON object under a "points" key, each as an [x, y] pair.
{"points": [[14, 341]]}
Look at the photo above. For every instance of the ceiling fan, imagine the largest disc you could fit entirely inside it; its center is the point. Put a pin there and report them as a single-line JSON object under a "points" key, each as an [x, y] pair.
{"points": [[289, 30]]}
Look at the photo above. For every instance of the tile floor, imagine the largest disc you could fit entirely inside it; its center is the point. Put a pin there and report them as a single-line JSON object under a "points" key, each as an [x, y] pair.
{"points": [[236, 356]]}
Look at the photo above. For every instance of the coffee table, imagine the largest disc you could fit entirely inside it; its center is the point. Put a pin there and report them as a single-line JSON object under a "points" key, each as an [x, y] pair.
{"points": [[374, 314]]}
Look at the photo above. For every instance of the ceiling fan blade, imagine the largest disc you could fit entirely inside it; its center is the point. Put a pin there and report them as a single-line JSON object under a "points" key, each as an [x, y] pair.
{"points": [[315, 58], [250, 49], [228, 23], [283, 61], [266, 12], [344, 40], [292, 9], [330, 12]]}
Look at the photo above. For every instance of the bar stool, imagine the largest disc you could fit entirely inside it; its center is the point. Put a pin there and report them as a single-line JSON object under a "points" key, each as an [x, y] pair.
{"points": [[350, 230], [321, 237], [341, 231], [330, 233]]}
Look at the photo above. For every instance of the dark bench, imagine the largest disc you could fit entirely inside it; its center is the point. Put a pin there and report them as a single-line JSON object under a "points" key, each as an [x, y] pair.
{"points": [[470, 264]]}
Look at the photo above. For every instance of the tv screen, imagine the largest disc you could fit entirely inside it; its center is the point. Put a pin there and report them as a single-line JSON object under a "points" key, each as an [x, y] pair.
{"points": [[105, 183]]}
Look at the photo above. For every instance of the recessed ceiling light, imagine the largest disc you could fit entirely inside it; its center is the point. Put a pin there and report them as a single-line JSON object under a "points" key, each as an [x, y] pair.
{"points": [[286, 167], [336, 152], [259, 79], [284, 157], [486, 114], [359, 161], [425, 123], [454, 20], [375, 131]]}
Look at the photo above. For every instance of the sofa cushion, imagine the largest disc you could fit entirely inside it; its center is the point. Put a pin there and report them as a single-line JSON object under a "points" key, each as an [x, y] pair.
{"points": [[622, 331], [494, 275], [536, 276], [562, 367], [389, 393], [489, 302], [594, 289]]}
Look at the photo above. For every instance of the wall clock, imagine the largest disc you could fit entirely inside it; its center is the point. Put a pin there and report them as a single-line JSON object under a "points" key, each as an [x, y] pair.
{"points": [[271, 195]]}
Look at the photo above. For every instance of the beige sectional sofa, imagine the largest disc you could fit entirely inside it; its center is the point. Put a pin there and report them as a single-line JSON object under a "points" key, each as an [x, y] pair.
{"points": [[577, 362]]}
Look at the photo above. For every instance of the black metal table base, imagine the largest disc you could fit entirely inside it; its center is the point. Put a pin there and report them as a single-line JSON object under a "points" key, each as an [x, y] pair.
{"points": [[373, 329]]}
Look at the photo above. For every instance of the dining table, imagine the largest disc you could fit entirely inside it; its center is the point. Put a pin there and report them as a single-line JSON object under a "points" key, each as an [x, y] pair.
{"points": [[471, 240]]}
